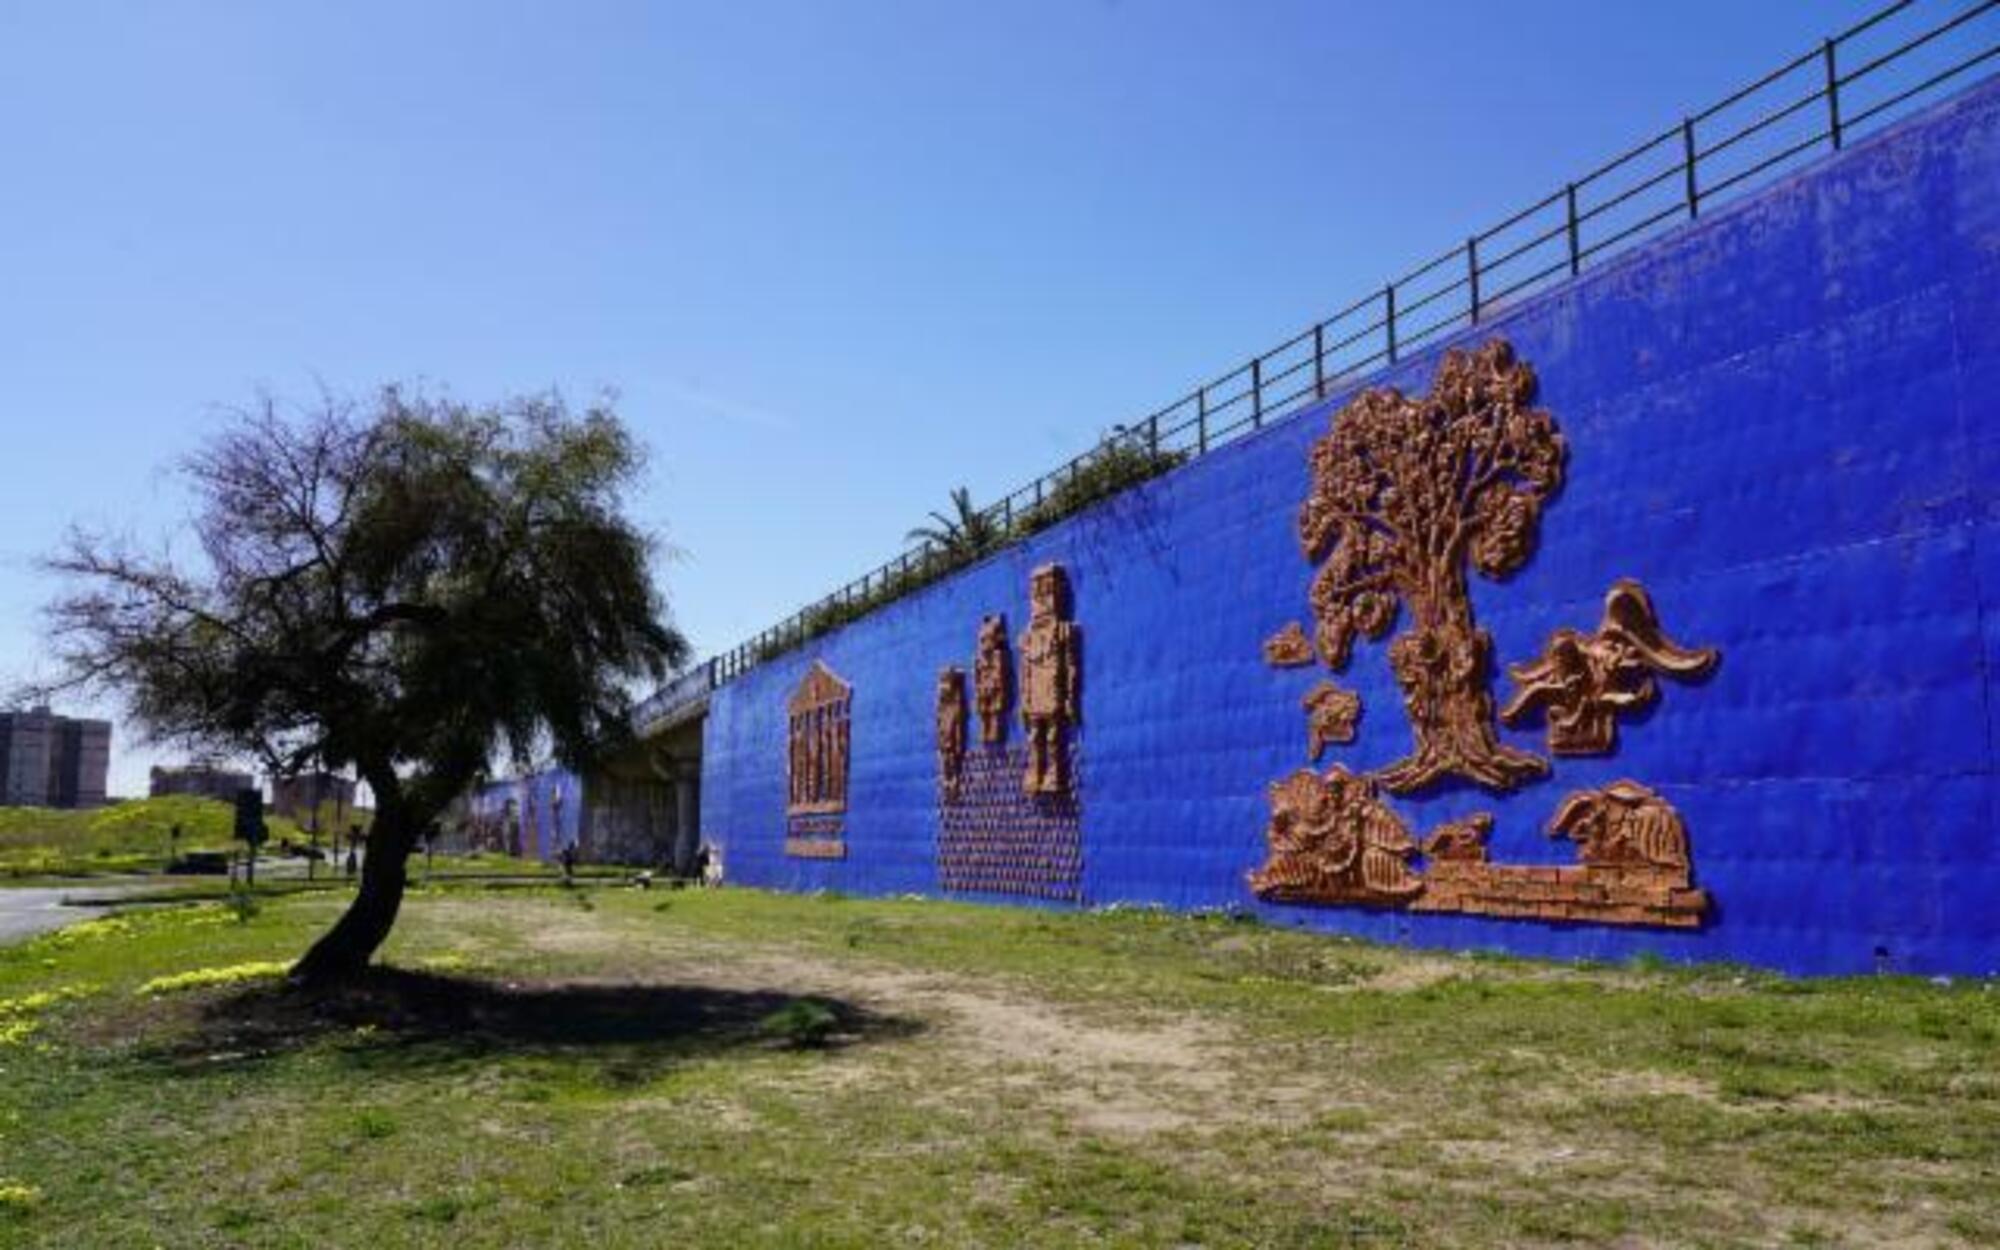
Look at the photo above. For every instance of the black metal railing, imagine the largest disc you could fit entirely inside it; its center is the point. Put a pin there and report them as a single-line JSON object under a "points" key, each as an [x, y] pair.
{"points": [[1858, 79]]}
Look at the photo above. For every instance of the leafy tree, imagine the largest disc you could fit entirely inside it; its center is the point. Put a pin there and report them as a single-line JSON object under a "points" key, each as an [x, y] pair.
{"points": [[965, 535], [407, 587], [1406, 492]]}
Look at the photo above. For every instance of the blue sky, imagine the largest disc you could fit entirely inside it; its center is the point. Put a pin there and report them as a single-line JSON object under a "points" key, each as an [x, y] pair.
{"points": [[836, 258]]}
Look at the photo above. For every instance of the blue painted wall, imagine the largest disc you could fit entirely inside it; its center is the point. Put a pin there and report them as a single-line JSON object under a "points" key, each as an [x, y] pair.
{"points": [[1782, 420], [542, 824]]}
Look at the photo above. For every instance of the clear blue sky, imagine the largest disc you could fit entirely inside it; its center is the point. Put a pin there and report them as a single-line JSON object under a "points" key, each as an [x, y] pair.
{"points": [[836, 257]]}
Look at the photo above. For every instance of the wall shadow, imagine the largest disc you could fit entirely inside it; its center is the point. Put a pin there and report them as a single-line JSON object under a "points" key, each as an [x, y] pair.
{"points": [[398, 1018]]}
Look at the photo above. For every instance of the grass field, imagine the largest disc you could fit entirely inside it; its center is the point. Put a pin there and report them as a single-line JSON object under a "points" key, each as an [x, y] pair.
{"points": [[134, 836], [617, 1068]]}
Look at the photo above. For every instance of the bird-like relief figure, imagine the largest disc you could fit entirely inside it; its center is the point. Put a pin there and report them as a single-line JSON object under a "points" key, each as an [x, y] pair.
{"points": [[1624, 825], [1583, 681]]}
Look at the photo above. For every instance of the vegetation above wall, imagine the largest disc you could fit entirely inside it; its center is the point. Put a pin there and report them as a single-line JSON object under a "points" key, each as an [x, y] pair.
{"points": [[971, 534]]}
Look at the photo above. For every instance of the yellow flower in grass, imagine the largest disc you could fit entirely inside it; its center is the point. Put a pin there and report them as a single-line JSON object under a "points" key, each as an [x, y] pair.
{"points": [[203, 978], [17, 1198]]}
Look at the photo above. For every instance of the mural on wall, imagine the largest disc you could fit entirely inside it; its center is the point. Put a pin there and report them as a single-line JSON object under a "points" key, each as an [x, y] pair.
{"points": [[1009, 816], [990, 679], [951, 732], [1051, 671], [1582, 681], [1289, 647], [817, 743], [1330, 716], [1633, 868], [1405, 494]]}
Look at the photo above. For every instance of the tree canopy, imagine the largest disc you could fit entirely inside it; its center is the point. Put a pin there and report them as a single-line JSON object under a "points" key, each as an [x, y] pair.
{"points": [[409, 586]]}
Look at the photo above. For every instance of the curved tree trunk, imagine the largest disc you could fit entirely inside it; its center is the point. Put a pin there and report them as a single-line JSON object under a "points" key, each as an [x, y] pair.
{"points": [[343, 953], [1443, 664]]}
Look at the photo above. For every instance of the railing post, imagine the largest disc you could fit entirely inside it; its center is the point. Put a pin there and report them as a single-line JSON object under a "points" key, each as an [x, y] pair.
{"points": [[1389, 318], [1575, 248], [1319, 360], [1201, 420], [1472, 274], [1007, 513], [1832, 94], [1687, 163], [1257, 392]]}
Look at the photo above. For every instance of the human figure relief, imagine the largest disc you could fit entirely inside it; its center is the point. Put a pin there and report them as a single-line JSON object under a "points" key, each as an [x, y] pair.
{"points": [[1050, 680], [989, 680], [951, 731]]}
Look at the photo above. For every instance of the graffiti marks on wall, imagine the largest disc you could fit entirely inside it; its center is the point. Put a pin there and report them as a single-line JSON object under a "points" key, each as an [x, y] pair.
{"points": [[1582, 681], [1289, 647], [1051, 679], [818, 746], [1009, 818], [1406, 493]]}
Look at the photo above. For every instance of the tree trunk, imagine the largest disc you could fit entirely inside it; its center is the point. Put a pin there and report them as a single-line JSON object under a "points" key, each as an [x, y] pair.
{"points": [[1443, 665], [347, 947]]}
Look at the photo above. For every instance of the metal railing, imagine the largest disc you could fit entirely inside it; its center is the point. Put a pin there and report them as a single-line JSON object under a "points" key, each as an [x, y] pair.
{"points": [[1815, 102]]}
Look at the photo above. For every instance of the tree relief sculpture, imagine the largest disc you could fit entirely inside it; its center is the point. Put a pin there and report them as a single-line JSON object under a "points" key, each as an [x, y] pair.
{"points": [[1406, 494], [1582, 682], [1289, 647], [1331, 713]]}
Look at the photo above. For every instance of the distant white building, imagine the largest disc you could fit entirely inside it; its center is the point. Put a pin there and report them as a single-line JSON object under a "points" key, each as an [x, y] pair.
{"points": [[53, 761]]}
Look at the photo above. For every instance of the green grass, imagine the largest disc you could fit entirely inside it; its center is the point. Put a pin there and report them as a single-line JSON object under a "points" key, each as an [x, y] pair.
{"points": [[134, 836], [613, 1067]]}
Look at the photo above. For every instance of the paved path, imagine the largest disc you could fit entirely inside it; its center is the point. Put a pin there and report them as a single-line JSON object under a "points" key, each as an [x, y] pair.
{"points": [[26, 912]]}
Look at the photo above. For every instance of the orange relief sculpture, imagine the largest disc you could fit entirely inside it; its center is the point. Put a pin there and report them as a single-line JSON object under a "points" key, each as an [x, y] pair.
{"points": [[818, 746], [1406, 493], [951, 731], [1633, 868], [989, 679], [1051, 664], [1333, 840], [1582, 681], [1288, 648], [1330, 716]]}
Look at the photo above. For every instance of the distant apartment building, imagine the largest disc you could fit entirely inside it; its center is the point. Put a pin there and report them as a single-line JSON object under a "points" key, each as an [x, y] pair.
{"points": [[329, 793], [201, 780], [53, 761]]}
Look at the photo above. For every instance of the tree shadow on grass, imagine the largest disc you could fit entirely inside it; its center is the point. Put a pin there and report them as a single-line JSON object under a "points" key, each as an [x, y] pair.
{"points": [[395, 1018]]}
